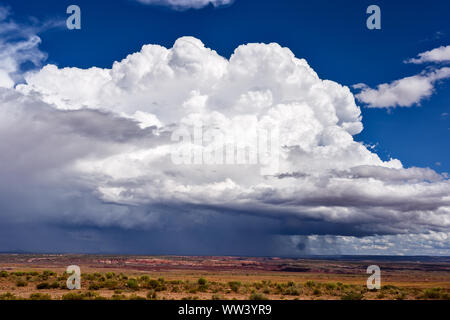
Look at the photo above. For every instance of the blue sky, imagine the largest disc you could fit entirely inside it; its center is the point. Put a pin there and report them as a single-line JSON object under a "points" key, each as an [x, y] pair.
{"points": [[330, 35], [333, 38]]}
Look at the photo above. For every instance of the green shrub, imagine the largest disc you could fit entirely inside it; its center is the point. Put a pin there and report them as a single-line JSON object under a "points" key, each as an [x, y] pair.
{"points": [[40, 296], [433, 293], [111, 284], [152, 284], [381, 295], [352, 295], [400, 296], [234, 285], [43, 285], [310, 284], [110, 275], [7, 296], [330, 286], [389, 287], [73, 296], [80, 296], [94, 286], [258, 296], [123, 276], [21, 283], [3, 274], [156, 285], [317, 292], [48, 273], [54, 285], [291, 291], [151, 295], [202, 285], [258, 285], [192, 290], [133, 284], [144, 278]]}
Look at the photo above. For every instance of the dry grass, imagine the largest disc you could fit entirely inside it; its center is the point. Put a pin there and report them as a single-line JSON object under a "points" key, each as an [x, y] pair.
{"points": [[185, 284], [108, 277]]}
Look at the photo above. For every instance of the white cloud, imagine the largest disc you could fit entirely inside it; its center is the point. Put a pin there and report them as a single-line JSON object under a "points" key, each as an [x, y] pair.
{"points": [[435, 243], [19, 43], [96, 142], [404, 92], [14, 53], [187, 4], [438, 55]]}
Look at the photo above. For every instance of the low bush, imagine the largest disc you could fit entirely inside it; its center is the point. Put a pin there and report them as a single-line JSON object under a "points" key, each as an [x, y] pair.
{"points": [[156, 285], [7, 296], [80, 296], [133, 284], [54, 285], [330, 286], [95, 286], [21, 283], [291, 291], [352, 295], [43, 285], [234, 285], [258, 296], [144, 278], [433, 293], [48, 273], [40, 296], [151, 295], [111, 284]]}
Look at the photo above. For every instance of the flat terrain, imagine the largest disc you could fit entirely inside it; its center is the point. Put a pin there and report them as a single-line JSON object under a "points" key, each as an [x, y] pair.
{"points": [[25, 276]]}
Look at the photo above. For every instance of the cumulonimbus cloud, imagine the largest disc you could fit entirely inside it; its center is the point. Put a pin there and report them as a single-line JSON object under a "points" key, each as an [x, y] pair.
{"points": [[93, 147], [324, 174]]}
